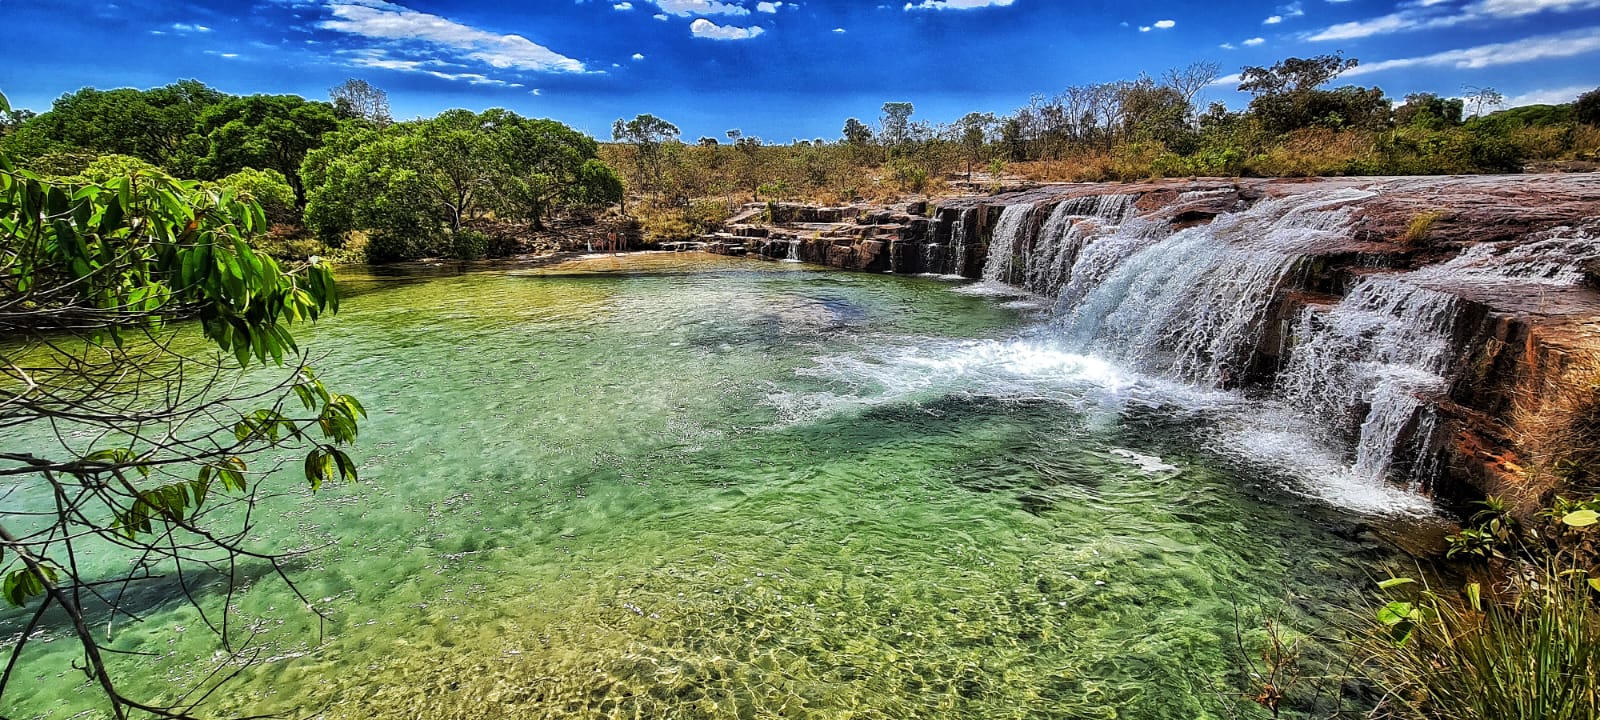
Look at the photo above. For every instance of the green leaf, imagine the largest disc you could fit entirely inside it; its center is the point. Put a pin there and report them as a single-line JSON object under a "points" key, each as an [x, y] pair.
{"points": [[1475, 596], [23, 584], [1595, 583], [1395, 613], [1581, 518], [1395, 582]]}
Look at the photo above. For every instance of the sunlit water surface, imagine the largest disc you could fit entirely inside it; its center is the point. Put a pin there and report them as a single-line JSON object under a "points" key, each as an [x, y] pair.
{"points": [[686, 486]]}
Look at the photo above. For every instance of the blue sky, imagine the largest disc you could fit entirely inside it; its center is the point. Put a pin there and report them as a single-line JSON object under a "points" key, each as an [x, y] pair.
{"points": [[777, 70]]}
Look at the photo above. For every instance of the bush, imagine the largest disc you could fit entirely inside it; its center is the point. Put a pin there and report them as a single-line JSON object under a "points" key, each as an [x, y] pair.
{"points": [[467, 244]]}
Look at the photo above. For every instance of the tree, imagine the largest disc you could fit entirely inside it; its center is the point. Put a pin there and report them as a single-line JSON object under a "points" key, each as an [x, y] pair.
{"points": [[857, 133], [974, 129], [647, 133], [1429, 111], [265, 132], [896, 122], [409, 181], [1483, 99], [154, 125], [360, 100], [1288, 96], [151, 450], [1586, 109]]}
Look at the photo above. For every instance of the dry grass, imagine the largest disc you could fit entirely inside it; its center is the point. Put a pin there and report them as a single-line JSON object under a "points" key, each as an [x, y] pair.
{"points": [[1417, 231], [1556, 427]]}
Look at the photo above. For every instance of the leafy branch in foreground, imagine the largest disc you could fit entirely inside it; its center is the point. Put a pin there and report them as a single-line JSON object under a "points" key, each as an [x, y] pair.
{"points": [[124, 435]]}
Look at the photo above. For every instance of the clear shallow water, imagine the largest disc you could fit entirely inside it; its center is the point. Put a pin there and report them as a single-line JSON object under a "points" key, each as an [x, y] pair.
{"points": [[686, 486]]}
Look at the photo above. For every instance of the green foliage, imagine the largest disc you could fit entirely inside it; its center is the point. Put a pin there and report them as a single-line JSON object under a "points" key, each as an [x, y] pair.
{"points": [[266, 132], [410, 185], [93, 271], [269, 189], [1527, 647], [1586, 109], [157, 125]]}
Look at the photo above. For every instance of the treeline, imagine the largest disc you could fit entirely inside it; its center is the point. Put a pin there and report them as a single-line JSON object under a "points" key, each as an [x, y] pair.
{"points": [[1295, 125], [339, 176]]}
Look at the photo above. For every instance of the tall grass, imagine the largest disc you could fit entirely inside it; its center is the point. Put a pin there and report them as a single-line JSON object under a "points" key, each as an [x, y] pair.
{"points": [[1532, 657]]}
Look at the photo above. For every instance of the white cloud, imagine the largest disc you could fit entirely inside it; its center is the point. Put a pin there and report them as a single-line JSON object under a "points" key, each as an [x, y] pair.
{"points": [[638, 56], [956, 4], [1252, 42], [1274, 20], [1434, 14], [1166, 24], [186, 27], [703, 28], [685, 8], [660, 16], [1540, 47], [768, 7], [1227, 46], [1550, 96], [838, 30], [1144, 28], [381, 20], [622, 6]]}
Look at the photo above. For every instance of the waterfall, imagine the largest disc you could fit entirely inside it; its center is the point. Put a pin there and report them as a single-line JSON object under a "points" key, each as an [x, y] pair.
{"points": [[794, 251], [1071, 224], [956, 264], [1367, 363], [1005, 243]]}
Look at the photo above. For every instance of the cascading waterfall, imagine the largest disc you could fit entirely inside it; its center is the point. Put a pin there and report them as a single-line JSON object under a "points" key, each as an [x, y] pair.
{"points": [[1006, 242], [1373, 358], [956, 264], [794, 251], [1070, 226], [1199, 305]]}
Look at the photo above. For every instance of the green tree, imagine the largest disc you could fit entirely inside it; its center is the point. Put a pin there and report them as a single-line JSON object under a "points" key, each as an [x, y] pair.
{"points": [[267, 188], [1429, 111], [409, 182], [974, 129], [1586, 109], [543, 164], [156, 125], [895, 122], [152, 451], [266, 132], [1288, 96], [648, 135], [857, 133]]}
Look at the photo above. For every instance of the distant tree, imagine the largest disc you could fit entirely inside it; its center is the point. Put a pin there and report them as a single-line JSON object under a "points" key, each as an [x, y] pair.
{"points": [[974, 130], [1189, 80], [895, 123], [266, 132], [1294, 75], [708, 141], [359, 99], [1587, 107], [1288, 96], [857, 133], [1427, 110], [1483, 99], [1155, 112], [411, 182], [648, 134], [11, 120]]}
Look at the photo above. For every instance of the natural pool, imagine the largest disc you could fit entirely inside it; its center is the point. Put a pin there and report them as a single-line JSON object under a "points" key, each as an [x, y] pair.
{"points": [[688, 486]]}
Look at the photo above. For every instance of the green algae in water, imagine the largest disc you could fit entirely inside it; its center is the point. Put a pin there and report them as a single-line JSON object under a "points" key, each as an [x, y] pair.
{"points": [[669, 486]]}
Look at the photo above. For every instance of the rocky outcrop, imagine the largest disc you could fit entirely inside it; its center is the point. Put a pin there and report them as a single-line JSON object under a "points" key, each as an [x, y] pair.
{"points": [[1284, 279]]}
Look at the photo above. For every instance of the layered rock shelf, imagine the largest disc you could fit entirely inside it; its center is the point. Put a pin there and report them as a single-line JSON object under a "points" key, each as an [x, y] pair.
{"points": [[1420, 317]]}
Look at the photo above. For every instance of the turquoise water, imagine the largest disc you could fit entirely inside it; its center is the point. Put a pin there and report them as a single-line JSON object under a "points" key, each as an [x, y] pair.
{"points": [[687, 486]]}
